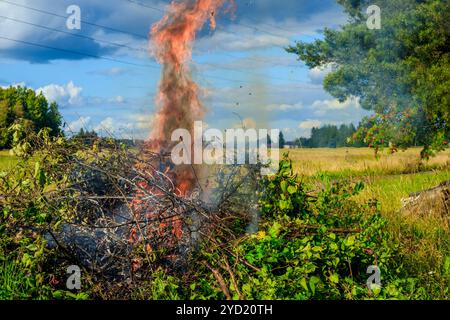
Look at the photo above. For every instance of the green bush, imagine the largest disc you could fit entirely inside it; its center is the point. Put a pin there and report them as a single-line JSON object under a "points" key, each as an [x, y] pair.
{"points": [[309, 246]]}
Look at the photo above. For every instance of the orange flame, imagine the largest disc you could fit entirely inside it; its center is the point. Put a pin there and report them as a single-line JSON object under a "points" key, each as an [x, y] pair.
{"points": [[178, 102], [178, 99]]}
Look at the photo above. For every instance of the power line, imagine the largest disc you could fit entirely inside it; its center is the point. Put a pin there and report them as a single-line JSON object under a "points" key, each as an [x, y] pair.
{"points": [[92, 24], [72, 34], [107, 58], [112, 43], [120, 45], [81, 20], [145, 5], [269, 24], [78, 53], [257, 60], [261, 30], [229, 55], [240, 23]]}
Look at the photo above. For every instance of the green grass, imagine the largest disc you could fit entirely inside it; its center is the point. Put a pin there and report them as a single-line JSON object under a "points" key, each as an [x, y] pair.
{"points": [[13, 282], [422, 234], [7, 161], [391, 189]]}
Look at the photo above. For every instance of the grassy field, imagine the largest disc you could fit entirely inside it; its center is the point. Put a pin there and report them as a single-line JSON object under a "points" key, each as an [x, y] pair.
{"points": [[6, 160], [388, 179], [423, 236]]}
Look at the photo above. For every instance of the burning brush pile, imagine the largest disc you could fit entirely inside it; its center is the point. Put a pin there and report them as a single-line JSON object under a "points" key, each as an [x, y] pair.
{"points": [[136, 212], [128, 217], [122, 214]]}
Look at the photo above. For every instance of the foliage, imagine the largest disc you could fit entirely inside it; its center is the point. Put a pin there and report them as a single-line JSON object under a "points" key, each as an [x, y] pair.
{"points": [[281, 140], [401, 69], [27, 212], [329, 136], [308, 247], [22, 105]]}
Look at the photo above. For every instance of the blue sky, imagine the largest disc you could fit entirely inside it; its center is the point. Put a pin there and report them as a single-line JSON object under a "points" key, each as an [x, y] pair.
{"points": [[110, 83]]}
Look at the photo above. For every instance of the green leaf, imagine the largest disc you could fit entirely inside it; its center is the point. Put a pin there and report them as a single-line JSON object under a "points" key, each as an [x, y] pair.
{"points": [[350, 241], [292, 189], [312, 284], [334, 278], [37, 169], [274, 231], [303, 284], [32, 247], [284, 186]]}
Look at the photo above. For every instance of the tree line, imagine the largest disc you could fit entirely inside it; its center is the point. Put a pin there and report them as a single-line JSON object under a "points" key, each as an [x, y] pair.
{"points": [[25, 106], [330, 136]]}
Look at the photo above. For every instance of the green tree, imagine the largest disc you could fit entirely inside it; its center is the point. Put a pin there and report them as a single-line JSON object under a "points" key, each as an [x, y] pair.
{"points": [[22, 104], [281, 140], [329, 136], [401, 71]]}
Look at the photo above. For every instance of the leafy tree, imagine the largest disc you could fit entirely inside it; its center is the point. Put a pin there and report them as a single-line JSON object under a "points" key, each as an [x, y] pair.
{"points": [[281, 140], [20, 105], [329, 136], [401, 71]]}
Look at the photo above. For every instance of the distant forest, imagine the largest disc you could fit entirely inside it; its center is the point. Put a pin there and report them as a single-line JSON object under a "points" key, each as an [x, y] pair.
{"points": [[330, 136]]}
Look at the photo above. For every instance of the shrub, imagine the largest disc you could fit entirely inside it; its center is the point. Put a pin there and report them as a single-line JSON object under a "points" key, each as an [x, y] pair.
{"points": [[309, 246]]}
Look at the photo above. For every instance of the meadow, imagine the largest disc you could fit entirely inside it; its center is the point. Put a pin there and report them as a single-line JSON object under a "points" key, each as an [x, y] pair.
{"points": [[388, 179], [423, 234]]}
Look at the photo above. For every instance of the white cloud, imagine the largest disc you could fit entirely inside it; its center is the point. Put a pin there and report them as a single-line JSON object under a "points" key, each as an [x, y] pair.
{"points": [[285, 107], [142, 121], [106, 125], [309, 124], [237, 39], [75, 126], [334, 104], [118, 99], [120, 129], [318, 74], [68, 94], [250, 35]]}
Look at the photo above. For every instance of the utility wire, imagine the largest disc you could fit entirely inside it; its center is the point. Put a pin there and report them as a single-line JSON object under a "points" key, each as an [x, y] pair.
{"points": [[119, 45], [82, 21], [107, 58], [78, 53], [111, 43], [240, 23], [73, 34], [227, 54], [145, 5]]}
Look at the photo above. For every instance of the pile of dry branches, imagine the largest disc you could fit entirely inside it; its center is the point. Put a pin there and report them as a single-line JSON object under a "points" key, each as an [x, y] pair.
{"points": [[127, 217]]}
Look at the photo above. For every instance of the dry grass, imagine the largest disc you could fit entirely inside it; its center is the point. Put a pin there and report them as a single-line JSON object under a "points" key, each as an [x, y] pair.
{"points": [[421, 230], [354, 161]]}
